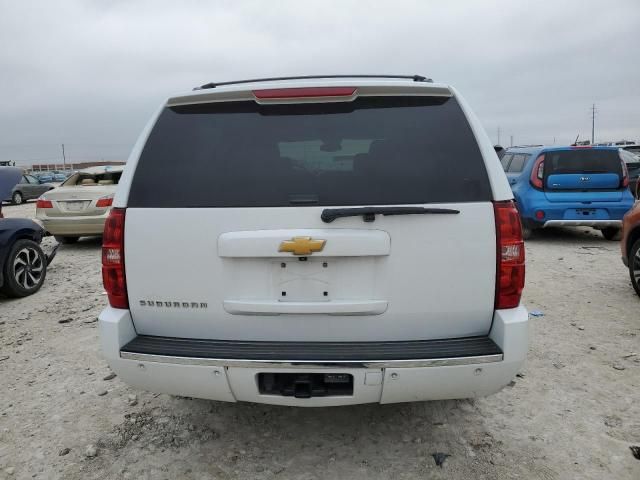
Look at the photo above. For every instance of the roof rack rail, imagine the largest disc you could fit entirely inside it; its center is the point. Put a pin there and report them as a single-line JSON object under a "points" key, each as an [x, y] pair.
{"points": [[527, 146], [415, 78]]}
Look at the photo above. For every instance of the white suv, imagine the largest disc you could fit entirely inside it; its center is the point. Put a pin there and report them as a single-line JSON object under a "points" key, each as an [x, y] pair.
{"points": [[315, 241]]}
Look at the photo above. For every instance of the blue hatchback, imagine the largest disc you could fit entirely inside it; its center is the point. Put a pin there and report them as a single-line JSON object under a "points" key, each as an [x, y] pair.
{"points": [[569, 186]]}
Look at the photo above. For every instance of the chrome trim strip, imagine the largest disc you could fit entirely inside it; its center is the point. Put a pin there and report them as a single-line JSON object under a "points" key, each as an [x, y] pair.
{"points": [[221, 362], [583, 223]]}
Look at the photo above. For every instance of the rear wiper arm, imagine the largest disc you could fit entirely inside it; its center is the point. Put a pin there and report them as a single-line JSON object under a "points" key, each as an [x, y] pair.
{"points": [[369, 213]]}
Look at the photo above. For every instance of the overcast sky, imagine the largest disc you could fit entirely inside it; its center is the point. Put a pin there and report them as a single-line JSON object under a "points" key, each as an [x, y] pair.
{"points": [[90, 73]]}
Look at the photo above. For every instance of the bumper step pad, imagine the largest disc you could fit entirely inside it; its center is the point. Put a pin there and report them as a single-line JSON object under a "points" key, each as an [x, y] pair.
{"points": [[311, 351]]}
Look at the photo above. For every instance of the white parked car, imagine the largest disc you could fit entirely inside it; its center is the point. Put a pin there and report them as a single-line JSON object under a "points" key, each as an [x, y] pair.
{"points": [[315, 241], [80, 206]]}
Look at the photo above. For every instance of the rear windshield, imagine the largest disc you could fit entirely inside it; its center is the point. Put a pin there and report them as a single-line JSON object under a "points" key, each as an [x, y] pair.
{"points": [[374, 150], [582, 161], [91, 179]]}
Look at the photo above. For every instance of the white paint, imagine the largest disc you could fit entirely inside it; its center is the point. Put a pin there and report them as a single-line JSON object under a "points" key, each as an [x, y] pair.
{"points": [[406, 277], [438, 278]]}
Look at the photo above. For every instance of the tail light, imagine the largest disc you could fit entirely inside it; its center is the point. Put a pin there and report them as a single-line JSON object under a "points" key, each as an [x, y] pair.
{"points": [[510, 255], [625, 175], [537, 173], [42, 203], [105, 201], [113, 276]]}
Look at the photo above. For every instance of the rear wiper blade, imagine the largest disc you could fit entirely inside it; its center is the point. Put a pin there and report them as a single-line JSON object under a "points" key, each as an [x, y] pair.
{"points": [[369, 213]]}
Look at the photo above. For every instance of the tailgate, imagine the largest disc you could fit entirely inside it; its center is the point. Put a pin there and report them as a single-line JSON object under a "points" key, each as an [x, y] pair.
{"points": [[402, 277], [583, 175]]}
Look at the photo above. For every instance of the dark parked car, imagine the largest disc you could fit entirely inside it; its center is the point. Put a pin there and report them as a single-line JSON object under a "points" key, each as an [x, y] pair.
{"points": [[27, 188], [23, 264]]}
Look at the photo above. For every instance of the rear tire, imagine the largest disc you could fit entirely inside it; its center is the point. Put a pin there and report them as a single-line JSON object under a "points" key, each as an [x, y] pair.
{"points": [[634, 266], [24, 270], [66, 240], [528, 228], [611, 233], [17, 198]]}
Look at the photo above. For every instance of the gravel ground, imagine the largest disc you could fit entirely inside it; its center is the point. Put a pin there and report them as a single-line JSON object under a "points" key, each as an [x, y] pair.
{"points": [[573, 412]]}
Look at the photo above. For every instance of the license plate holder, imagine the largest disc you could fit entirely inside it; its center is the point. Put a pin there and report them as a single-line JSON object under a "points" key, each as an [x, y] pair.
{"points": [[75, 205], [587, 212], [302, 279]]}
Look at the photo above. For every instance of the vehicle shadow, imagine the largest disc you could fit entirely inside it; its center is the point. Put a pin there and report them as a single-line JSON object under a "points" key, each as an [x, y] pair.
{"points": [[84, 244], [568, 234]]}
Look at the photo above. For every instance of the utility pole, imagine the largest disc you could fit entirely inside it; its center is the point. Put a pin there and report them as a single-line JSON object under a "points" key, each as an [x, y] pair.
{"points": [[593, 124], [511, 141], [498, 135], [64, 158]]}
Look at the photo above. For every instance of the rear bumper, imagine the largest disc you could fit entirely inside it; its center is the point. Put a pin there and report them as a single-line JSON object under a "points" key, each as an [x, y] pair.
{"points": [[587, 212], [383, 372], [583, 223], [73, 225]]}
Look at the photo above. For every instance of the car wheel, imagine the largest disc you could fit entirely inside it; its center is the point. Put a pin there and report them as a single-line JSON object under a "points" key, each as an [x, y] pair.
{"points": [[65, 240], [611, 233], [25, 269], [16, 198], [634, 266], [528, 228]]}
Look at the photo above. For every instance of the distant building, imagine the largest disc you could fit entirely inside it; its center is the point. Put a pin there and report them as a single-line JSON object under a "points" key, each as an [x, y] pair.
{"points": [[45, 167], [618, 143]]}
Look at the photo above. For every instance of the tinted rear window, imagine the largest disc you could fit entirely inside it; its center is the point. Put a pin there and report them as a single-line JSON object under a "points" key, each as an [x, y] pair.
{"points": [[375, 150], [582, 161]]}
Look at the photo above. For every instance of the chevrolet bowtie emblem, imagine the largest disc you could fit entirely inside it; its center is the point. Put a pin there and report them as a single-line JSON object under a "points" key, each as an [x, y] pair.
{"points": [[302, 245]]}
